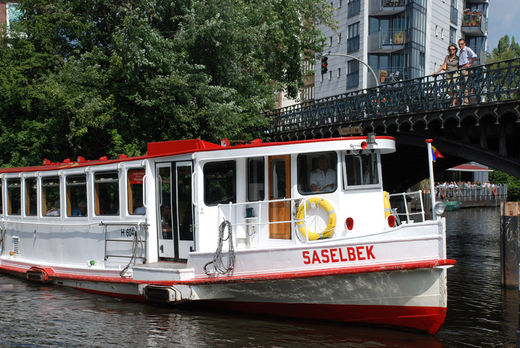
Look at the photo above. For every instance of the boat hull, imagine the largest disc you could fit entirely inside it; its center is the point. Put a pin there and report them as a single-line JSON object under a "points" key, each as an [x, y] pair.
{"points": [[405, 298], [414, 299]]}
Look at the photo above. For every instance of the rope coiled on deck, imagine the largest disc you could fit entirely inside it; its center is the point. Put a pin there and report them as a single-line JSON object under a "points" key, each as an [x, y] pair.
{"points": [[218, 262]]}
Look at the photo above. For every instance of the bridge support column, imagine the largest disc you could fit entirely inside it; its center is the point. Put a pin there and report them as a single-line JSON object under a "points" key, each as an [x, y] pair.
{"points": [[509, 244]]}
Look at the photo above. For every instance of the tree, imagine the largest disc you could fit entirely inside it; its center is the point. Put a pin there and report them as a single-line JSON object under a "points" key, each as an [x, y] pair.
{"points": [[95, 78], [513, 184], [505, 50]]}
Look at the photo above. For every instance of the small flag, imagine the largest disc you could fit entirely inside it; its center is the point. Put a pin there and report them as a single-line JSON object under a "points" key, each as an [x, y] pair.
{"points": [[436, 154]]}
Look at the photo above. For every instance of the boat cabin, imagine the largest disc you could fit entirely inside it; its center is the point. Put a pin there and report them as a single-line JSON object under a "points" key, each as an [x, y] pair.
{"points": [[173, 201]]}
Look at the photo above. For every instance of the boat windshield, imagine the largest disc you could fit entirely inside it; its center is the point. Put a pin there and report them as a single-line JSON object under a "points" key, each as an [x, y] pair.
{"points": [[317, 173], [361, 170]]}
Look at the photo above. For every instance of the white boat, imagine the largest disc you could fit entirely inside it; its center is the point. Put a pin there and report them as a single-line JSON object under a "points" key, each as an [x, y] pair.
{"points": [[251, 227]]}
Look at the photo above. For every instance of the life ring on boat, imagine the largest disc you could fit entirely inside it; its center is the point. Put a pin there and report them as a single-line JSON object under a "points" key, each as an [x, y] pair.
{"points": [[314, 202], [388, 207], [494, 191]]}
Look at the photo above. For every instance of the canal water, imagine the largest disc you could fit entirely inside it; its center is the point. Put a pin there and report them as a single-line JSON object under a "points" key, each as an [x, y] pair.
{"points": [[480, 313]]}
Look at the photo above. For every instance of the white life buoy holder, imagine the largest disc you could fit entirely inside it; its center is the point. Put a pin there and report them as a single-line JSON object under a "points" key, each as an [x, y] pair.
{"points": [[315, 202]]}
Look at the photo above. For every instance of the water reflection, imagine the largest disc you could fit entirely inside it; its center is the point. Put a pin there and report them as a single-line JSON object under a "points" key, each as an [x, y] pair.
{"points": [[480, 313]]}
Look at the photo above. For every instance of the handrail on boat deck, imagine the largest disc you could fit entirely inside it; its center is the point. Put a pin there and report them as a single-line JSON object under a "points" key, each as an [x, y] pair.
{"points": [[136, 240], [244, 222], [407, 213]]}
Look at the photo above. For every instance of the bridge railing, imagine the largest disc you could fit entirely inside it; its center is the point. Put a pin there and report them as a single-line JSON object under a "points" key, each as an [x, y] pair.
{"points": [[489, 83], [473, 193]]}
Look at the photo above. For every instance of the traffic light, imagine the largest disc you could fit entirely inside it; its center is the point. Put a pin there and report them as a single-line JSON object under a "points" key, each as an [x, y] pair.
{"points": [[324, 65]]}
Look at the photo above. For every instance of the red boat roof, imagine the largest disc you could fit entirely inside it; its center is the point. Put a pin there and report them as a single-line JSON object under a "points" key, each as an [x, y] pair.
{"points": [[166, 148]]}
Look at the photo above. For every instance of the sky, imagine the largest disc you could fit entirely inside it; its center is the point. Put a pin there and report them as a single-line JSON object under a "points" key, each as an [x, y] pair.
{"points": [[503, 18]]}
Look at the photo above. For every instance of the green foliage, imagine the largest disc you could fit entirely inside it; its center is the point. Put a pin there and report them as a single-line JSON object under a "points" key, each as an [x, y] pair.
{"points": [[100, 78], [505, 50], [513, 184]]}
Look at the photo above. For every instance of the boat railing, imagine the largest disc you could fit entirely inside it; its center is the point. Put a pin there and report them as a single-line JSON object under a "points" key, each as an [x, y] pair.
{"points": [[248, 219], [134, 229], [408, 205]]}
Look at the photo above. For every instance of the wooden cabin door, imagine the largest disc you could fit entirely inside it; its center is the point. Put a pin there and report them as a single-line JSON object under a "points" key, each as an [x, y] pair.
{"points": [[280, 188]]}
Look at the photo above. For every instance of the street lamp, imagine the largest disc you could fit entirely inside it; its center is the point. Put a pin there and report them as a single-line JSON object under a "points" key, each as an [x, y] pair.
{"points": [[359, 60]]}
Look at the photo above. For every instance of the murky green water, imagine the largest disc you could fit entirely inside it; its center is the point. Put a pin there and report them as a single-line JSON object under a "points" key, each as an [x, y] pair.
{"points": [[480, 313]]}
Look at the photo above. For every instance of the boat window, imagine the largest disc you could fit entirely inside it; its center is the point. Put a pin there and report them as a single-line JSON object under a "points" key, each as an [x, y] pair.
{"points": [[219, 182], [317, 173], [361, 169], [255, 179], [51, 196], [135, 191], [1, 198], [30, 197], [14, 197], [106, 193], [77, 195]]}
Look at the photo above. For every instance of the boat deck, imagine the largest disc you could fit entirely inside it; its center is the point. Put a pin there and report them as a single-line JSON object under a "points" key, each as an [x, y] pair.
{"points": [[163, 264], [163, 270]]}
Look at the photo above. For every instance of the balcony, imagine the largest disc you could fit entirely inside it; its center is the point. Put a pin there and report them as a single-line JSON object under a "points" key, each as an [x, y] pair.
{"points": [[387, 41], [389, 75], [474, 23], [386, 7]]}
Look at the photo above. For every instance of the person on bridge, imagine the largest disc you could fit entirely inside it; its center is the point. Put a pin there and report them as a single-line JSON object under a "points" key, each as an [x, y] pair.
{"points": [[451, 65], [466, 59]]}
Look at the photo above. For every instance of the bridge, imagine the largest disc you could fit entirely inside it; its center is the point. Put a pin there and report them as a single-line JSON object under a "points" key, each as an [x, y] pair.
{"points": [[483, 126]]}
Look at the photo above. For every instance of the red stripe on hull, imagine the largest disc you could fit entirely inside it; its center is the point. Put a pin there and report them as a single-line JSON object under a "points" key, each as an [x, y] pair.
{"points": [[429, 319]]}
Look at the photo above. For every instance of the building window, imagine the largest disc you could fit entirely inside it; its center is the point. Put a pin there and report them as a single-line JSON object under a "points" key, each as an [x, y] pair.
{"points": [[454, 13], [339, 38], [353, 38], [30, 197], [352, 74], [339, 73], [14, 16], [106, 193], [354, 8], [51, 196], [453, 35]]}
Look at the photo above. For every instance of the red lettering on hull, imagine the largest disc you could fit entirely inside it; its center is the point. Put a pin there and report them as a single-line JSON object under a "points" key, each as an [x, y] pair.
{"points": [[334, 255]]}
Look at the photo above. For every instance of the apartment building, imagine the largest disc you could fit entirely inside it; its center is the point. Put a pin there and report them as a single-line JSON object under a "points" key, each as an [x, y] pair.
{"points": [[398, 39]]}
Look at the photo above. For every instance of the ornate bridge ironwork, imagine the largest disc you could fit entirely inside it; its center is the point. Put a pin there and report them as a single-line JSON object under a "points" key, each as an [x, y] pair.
{"points": [[473, 114]]}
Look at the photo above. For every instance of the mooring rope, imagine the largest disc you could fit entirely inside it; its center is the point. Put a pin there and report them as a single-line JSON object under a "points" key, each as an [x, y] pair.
{"points": [[135, 246], [218, 263]]}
